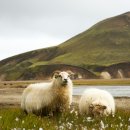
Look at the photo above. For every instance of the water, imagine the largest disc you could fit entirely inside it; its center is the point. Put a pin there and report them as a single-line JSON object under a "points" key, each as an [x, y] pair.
{"points": [[116, 91]]}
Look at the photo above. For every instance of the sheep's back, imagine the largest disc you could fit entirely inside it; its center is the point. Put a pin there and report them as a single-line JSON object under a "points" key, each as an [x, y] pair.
{"points": [[91, 95], [37, 96]]}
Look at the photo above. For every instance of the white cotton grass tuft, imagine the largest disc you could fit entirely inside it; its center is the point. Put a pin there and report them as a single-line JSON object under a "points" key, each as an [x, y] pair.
{"points": [[40, 128], [17, 119], [102, 124]]}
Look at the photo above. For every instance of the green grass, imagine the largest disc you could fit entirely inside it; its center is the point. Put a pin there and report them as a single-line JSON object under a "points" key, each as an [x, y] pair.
{"points": [[96, 82], [14, 119], [38, 64], [111, 82]]}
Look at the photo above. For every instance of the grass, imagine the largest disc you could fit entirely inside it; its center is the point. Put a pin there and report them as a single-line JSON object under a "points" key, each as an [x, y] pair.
{"points": [[16, 119], [38, 64], [96, 82]]}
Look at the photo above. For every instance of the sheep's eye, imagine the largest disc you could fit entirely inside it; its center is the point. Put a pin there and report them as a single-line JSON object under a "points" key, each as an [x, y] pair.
{"points": [[56, 76], [59, 76], [104, 107], [68, 76]]}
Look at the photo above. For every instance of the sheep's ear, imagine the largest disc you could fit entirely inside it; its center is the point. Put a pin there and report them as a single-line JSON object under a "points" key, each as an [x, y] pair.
{"points": [[56, 74], [91, 106], [104, 107], [71, 74]]}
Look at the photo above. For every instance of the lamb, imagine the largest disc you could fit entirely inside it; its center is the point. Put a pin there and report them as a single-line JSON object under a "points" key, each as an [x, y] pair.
{"points": [[47, 98], [96, 102]]}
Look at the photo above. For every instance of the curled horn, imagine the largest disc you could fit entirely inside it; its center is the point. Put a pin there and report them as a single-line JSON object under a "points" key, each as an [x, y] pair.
{"points": [[104, 107], [56, 73], [71, 74]]}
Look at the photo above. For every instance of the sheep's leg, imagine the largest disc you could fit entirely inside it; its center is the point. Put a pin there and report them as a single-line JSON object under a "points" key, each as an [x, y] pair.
{"points": [[25, 112], [63, 107], [50, 114]]}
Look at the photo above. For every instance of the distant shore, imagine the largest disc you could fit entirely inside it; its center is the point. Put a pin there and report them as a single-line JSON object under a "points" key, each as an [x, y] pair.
{"points": [[109, 82], [11, 91], [11, 97], [97, 82]]}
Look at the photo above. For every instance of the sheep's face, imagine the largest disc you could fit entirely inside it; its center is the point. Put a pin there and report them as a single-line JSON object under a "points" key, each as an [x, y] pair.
{"points": [[97, 109], [63, 78]]}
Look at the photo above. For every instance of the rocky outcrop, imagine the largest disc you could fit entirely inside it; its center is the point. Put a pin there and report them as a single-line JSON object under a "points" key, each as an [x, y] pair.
{"points": [[105, 75], [46, 71], [121, 70]]}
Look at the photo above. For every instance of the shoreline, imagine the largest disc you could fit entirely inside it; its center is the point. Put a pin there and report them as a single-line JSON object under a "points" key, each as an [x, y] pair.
{"points": [[13, 101], [96, 82], [11, 91]]}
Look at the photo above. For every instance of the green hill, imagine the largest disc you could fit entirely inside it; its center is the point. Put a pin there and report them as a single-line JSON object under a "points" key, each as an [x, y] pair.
{"points": [[104, 44]]}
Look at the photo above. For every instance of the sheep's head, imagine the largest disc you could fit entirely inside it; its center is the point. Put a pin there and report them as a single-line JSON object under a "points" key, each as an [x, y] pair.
{"points": [[99, 108], [62, 77]]}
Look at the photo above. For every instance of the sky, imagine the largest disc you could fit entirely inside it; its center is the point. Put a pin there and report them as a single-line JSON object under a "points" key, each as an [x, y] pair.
{"points": [[32, 24]]}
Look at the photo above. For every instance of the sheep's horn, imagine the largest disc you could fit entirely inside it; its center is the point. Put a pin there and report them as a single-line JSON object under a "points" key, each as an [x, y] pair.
{"points": [[70, 72], [56, 73]]}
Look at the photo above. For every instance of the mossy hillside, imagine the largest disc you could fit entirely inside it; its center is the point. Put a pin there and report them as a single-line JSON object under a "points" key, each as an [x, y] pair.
{"points": [[104, 44]]}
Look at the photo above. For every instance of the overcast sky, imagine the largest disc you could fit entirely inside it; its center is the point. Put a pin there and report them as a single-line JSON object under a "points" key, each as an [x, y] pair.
{"points": [[31, 24]]}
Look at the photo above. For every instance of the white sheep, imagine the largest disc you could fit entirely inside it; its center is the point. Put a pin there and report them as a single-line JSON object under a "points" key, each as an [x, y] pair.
{"points": [[96, 102], [46, 98]]}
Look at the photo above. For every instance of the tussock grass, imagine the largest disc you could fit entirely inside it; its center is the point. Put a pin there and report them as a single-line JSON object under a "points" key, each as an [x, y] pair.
{"points": [[102, 82], [16, 119], [23, 84]]}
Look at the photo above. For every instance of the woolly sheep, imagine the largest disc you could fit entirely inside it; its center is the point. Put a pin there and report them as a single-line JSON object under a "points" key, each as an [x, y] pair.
{"points": [[47, 98], [96, 102]]}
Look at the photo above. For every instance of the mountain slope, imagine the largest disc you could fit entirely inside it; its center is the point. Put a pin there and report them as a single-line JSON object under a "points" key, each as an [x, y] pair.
{"points": [[104, 44]]}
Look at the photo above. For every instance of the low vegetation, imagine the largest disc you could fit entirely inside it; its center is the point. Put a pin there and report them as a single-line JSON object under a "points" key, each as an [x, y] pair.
{"points": [[23, 84], [16, 119], [109, 82], [104, 44]]}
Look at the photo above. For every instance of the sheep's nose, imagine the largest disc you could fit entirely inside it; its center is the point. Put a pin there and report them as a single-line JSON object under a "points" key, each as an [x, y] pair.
{"points": [[65, 80]]}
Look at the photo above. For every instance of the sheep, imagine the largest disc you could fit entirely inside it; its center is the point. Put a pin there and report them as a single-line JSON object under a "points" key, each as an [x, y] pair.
{"points": [[47, 98], [96, 102]]}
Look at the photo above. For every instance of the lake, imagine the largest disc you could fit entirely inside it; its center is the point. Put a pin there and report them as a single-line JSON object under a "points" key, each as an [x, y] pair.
{"points": [[116, 91]]}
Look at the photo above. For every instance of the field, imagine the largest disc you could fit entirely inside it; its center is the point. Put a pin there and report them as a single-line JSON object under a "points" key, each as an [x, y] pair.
{"points": [[13, 118], [23, 84], [103, 82]]}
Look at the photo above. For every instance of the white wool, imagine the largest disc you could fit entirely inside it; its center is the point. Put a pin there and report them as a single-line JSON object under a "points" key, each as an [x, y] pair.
{"points": [[50, 95], [96, 96]]}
